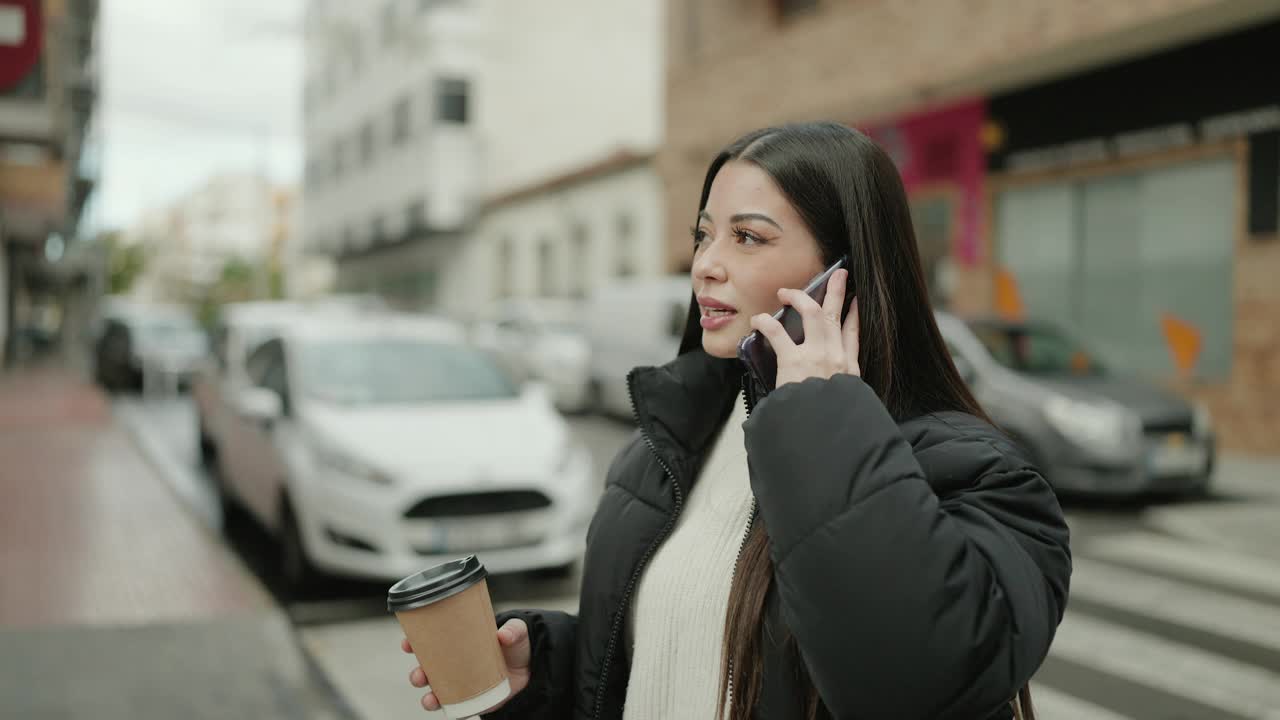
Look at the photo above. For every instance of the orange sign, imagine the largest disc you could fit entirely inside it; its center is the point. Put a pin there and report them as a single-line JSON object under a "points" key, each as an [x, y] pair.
{"points": [[1184, 342], [1008, 300]]}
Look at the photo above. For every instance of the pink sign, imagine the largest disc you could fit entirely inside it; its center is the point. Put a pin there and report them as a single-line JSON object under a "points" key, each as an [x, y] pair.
{"points": [[941, 158]]}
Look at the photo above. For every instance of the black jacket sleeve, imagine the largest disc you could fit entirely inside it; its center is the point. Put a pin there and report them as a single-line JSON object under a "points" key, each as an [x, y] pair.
{"points": [[553, 639], [909, 597]]}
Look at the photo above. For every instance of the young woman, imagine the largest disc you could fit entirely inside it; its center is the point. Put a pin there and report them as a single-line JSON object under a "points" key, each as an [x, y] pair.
{"points": [[859, 543]]}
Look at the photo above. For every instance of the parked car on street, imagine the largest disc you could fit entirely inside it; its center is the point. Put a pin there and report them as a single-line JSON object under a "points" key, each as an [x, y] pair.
{"points": [[542, 339], [139, 343], [375, 446], [1092, 431], [629, 324], [240, 328]]}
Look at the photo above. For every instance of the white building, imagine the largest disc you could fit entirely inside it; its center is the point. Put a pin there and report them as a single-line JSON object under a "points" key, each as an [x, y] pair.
{"points": [[233, 217], [392, 163], [570, 110], [566, 84], [564, 236]]}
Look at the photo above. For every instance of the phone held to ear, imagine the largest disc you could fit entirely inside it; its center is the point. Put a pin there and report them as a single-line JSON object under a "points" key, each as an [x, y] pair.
{"points": [[755, 352]]}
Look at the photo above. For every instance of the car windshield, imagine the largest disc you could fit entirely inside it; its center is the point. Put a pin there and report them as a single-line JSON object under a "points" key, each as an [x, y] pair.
{"points": [[398, 371], [1037, 349]]}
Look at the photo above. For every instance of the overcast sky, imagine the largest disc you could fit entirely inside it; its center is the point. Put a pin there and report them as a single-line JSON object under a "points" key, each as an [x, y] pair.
{"points": [[192, 88]]}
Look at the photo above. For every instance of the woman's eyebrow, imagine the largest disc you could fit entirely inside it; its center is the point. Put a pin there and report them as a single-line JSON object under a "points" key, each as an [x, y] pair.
{"points": [[740, 217]]}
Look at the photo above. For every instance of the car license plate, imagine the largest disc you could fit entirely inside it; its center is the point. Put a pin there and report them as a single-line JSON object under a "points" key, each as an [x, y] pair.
{"points": [[489, 533], [1177, 456]]}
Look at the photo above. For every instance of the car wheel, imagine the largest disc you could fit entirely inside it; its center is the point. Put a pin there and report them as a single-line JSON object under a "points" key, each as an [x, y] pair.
{"points": [[233, 513], [1203, 489], [296, 571], [208, 451]]}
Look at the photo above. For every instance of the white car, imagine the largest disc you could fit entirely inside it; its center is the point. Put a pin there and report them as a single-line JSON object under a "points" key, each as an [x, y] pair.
{"points": [[542, 339], [241, 327], [376, 447]]}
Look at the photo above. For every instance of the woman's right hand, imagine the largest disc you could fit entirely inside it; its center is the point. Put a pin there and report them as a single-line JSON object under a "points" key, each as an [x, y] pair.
{"points": [[513, 638]]}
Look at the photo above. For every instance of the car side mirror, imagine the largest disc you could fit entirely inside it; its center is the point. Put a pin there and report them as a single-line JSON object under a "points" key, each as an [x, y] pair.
{"points": [[261, 405]]}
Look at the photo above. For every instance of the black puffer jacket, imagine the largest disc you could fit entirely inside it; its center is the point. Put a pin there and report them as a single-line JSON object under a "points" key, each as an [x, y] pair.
{"points": [[922, 568]]}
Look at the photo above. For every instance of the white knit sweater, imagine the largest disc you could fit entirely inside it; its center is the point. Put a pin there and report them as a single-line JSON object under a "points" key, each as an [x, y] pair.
{"points": [[678, 613]]}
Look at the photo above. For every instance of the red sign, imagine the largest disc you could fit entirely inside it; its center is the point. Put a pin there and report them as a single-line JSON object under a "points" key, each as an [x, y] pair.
{"points": [[21, 39]]}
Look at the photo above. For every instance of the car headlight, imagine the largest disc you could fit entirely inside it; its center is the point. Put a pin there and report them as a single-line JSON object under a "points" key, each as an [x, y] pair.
{"points": [[1108, 431], [340, 464], [1201, 421]]}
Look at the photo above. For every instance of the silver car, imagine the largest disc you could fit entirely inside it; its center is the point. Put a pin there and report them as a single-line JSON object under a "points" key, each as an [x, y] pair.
{"points": [[1090, 430]]}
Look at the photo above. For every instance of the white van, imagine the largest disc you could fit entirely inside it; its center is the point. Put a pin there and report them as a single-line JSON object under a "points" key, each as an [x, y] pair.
{"points": [[629, 324]]}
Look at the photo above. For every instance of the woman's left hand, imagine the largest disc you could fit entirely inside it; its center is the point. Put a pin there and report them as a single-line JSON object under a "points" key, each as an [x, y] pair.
{"points": [[828, 348]]}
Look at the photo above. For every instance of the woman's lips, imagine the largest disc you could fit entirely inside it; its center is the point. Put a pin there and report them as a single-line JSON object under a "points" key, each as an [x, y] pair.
{"points": [[715, 321], [715, 314]]}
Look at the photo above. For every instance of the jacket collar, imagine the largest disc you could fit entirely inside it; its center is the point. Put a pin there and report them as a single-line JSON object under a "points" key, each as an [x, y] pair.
{"points": [[682, 405]]}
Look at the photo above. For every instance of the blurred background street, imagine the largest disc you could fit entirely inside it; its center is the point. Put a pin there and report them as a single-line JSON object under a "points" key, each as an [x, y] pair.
{"points": [[299, 297]]}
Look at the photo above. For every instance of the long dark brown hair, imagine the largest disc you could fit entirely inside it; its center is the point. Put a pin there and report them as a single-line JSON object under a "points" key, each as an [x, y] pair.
{"points": [[849, 194]]}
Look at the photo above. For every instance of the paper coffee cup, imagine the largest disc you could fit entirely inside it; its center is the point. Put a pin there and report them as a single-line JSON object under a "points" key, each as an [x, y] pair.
{"points": [[448, 617]]}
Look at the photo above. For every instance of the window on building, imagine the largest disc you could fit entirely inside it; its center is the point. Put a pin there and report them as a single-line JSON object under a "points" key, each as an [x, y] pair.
{"points": [[579, 261], [330, 81], [366, 143], [1111, 257], [401, 120], [505, 266], [416, 217], [624, 249], [546, 267], [784, 9], [339, 159], [692, 26], [933, 217], [389, 21], [355, 54], [451, 100]]}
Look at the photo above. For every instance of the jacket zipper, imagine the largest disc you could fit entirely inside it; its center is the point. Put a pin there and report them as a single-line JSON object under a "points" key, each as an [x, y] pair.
{"points": [[748, 400], [644, 560]]}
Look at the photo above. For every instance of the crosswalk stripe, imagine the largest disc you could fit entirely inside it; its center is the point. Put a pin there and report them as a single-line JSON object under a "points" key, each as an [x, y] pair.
{"points": [[1051, 704], [1224, 568], [1181, 670], [1177, 602]]}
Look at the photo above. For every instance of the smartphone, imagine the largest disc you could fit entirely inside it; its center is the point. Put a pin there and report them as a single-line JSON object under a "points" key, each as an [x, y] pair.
{"points": [[754, 350]]}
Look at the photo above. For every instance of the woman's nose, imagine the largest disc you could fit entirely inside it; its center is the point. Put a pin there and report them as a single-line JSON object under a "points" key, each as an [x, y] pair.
{"points": [[708, 264]]}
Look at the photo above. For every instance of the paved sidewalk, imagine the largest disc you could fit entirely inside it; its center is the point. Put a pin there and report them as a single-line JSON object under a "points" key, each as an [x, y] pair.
{"points": [[116, 602]]}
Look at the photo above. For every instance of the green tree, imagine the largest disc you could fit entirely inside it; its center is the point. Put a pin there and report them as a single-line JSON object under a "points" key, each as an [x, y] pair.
{"points": [[125, 262]]}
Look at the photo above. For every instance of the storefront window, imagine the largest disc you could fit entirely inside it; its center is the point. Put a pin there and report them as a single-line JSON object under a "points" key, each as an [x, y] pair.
{"points": [[1112, 256], [931, 215]]}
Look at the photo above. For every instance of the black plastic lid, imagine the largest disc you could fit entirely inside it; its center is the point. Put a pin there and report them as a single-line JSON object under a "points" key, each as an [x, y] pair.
{"points": [[435, 584]]}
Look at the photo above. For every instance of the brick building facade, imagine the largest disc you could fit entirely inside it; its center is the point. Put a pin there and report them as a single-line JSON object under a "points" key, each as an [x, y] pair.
{"points": [[913, 73]]}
